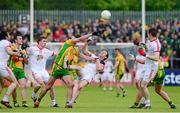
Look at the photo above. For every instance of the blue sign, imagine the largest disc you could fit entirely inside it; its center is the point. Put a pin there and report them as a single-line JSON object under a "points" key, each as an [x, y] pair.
{"points": [[172, 77]]}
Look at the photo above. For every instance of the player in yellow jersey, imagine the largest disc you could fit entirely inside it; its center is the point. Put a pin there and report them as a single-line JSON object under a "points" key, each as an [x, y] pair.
{"points": [[61, 67], [119, 67], [16, 64]]}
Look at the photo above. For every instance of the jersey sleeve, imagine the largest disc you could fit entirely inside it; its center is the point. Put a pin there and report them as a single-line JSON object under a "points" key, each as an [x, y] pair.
{"points": [[7, 44], [29, 50], [49, 53]]}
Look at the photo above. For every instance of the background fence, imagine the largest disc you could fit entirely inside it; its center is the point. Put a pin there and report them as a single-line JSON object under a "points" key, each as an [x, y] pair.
{"points": [[83, 16]]}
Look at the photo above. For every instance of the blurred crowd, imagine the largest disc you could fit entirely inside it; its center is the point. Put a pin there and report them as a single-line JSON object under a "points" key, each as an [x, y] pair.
{"points": [[117, 31]]}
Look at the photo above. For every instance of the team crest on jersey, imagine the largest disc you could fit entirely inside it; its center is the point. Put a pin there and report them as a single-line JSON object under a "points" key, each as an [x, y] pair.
{"points": [[39, 57]]}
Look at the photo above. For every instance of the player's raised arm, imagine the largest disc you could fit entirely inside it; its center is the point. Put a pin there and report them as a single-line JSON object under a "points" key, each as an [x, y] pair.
{"points": [[85, 37]]}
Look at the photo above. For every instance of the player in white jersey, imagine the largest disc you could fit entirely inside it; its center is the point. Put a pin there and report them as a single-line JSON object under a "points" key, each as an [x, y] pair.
{"points": [[107, 75], [140, 71], [88, 72], [151, 64], [38, 56], [5, 71]]}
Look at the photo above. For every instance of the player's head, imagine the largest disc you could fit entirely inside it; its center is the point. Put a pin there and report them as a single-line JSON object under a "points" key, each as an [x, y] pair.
{"points": [[152, 33], [136, 37], [18, 39], [103, 54], [116, 51], [42, 41], [4, 35]]}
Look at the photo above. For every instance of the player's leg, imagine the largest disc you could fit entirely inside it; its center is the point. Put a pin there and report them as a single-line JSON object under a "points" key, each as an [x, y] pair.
{"points": [[137, 103], [22, 83], [117, 84], [145, 93], [14, 96], [8, 75], [45, 77], [45, 90], [21, 77], [104, 81], [76, 92], [121, 86], [68, 80], [110, 81], [53, 97], [39, 80], [164, 95]]}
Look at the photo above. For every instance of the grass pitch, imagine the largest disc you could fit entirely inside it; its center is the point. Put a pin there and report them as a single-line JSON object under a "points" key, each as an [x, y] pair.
{"points": [[94, 99]]}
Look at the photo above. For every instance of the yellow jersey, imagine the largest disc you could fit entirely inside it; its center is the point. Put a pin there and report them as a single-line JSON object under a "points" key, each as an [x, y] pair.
{"points": [[121, 65]]}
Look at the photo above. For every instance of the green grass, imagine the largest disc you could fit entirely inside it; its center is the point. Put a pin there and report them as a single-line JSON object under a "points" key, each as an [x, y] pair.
{"points": [[94, 99]]}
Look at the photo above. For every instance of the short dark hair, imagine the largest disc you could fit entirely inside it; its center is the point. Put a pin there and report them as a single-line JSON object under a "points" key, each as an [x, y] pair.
{"points": [[40, 38], [17, 34], [153, 32], [3, 34], [117, 49]]}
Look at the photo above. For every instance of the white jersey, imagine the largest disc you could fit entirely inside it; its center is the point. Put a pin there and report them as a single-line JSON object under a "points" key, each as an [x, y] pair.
{"points": [[151, 66], [141, 58], [38, 58], [3, 54], [152, 46], [108, 67]]}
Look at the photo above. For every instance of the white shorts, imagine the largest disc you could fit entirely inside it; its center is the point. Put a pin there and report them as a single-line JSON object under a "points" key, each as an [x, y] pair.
{"points": [[107, 76], [88, 76], [5, 71], [149, 72], [139, 74], [42, 75]]}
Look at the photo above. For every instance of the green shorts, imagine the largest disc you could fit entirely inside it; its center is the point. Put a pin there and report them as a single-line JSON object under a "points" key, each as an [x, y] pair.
{"points": [[159, 80], [59, 72], [74, 74], [119, 76], [19, 73]]}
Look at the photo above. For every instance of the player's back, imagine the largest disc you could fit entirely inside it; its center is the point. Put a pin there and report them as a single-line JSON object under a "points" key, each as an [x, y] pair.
{"points": [[3, 54]]}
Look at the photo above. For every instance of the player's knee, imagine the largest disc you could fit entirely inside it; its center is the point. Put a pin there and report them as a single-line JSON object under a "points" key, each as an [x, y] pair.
{"points": [[80, 88]]}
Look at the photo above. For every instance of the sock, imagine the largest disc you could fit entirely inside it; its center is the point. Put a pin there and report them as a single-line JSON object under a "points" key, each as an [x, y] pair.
{"points": [[147, 102], [53, 102], [6, 98], [33, 95], [23, 102], [170, 102], [135, 103], [143, 100], [15, 101]]}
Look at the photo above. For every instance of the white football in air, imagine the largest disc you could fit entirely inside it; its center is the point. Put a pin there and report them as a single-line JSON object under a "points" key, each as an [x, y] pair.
{"points": [[106, 14]]}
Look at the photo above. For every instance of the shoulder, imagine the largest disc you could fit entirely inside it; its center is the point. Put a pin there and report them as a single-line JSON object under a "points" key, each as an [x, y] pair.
{"points": [[69, 41]]}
